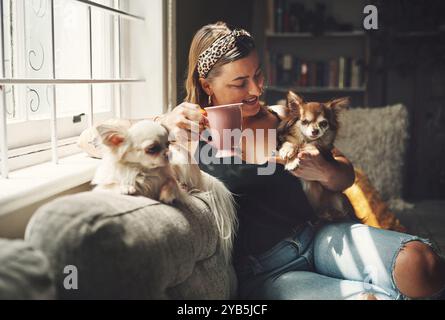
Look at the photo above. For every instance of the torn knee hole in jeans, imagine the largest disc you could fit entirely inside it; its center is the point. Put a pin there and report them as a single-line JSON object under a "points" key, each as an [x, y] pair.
{"points": [[402, 249], [367, 296]]}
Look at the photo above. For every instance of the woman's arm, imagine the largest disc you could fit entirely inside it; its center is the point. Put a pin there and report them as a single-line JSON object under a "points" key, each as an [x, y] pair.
{"points": [[184, 119], [339, 173], [335, 175]]}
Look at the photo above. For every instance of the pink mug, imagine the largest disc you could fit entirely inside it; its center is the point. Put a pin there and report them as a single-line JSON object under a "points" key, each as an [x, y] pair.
{"points": [[225, 128]]}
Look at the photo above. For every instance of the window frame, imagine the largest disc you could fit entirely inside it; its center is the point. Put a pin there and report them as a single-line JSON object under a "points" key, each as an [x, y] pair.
{"points": [[26, 132], [42, 180], [36, 144]]}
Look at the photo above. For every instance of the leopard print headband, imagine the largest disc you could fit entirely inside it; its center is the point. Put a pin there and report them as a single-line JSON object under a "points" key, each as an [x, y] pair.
{"points": [[220, 47]]}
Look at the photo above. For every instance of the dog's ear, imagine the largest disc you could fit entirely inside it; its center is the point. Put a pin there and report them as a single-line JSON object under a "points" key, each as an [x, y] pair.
{"points": [[290, 106], [335, 107], [339, 104], [112, 136], [294, 102], [280, 110]]}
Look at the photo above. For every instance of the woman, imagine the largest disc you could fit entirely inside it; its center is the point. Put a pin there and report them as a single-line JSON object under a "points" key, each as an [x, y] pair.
{"points": [[278, 253]]}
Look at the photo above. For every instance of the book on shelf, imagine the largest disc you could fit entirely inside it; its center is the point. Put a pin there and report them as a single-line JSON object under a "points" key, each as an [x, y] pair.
{"points": [[333, 73], [302, 77], [285, 16], [287, 70], [270, 23], [356, 74], [341, 72], [278, 21], [290, 16], [312, 70]]}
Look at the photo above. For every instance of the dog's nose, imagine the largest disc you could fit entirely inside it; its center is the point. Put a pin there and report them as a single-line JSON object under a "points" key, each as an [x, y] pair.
{"points": [[315, 132]]}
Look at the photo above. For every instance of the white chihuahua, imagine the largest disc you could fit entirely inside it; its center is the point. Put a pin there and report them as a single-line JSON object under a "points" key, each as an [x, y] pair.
{"points": [[141, 161], [136, 162]]}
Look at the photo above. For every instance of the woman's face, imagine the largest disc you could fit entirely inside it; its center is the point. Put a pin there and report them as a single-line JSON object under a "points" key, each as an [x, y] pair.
{"points": [[239, 81]]}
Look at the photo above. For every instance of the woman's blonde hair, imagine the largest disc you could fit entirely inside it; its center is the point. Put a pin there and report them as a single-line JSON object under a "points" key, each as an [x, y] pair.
{"points": [[202, 40]]}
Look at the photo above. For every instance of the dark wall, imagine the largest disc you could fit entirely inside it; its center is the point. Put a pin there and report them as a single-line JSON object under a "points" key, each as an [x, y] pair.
{"points": [[191, 15], [408, 66]]}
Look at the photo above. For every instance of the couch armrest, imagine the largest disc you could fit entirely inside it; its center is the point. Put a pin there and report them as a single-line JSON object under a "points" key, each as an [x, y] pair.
{"points": [[24, 272], [128, 247]]}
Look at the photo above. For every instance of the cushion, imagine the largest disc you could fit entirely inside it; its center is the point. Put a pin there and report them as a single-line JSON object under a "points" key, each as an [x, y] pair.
{"points": [[369, 208], [127, 247], [375, 140], [24, 272]]}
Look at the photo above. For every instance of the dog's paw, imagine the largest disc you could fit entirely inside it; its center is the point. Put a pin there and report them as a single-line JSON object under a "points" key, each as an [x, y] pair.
{"points": [[169, 192], [287, 151], [127, 189], [292, 164], [166, 196]]}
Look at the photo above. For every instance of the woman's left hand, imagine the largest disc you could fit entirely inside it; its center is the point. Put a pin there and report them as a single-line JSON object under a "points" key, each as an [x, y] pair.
{"points": [[313, 166], [336, 175]]}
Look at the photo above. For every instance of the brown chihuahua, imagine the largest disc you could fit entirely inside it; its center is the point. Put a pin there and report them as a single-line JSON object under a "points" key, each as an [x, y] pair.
{"points": [[317, 124]]}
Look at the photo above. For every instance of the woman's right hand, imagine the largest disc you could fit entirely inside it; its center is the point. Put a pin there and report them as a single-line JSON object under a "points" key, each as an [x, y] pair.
{"points": [[185, 121]]}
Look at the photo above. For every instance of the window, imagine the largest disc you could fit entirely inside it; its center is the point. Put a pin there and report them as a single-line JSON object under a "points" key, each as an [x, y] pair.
{"points": [[67, 64]]}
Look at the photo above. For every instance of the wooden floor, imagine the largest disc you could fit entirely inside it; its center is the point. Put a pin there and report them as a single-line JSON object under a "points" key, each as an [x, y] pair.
{"points": [[427, 219]]}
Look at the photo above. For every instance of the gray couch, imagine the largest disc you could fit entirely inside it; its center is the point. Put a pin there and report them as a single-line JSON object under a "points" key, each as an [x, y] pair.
{"points": [[24, 272], [126, 247], [133, 247]]}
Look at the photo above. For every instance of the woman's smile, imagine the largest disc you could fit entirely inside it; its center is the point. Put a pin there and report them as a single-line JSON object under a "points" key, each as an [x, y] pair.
{"points": [[250, 106], [251, 101]]}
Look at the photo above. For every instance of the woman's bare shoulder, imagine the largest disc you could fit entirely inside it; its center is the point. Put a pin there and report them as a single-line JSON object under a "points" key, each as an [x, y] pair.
{"points": [[271, 118], [265, 119]]}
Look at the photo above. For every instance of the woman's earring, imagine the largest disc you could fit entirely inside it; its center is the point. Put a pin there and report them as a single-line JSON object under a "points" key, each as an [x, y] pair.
{"points": [[210, 100]]}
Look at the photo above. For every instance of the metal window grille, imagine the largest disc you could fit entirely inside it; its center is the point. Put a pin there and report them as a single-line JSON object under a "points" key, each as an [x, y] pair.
{"points": [[54, 81]]}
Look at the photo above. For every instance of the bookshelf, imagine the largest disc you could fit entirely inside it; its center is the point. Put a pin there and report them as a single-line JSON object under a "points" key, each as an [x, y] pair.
{"points": [[339, 34], [319, 63], [284, 89]]}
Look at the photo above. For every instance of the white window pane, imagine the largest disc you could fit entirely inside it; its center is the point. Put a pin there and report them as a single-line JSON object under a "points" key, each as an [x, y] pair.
{"points": [[102, 31], [136, 7], [38, 48], [124, 5], [71, 24], [133, 54], [72, 99], [12, 113], [71, 39], [37, 100], [103, 97], [28, 54], [37, 57]]}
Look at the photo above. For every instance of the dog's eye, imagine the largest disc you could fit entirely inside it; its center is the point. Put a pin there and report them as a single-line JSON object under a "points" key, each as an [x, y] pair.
{"points": [[323, 124], [304, 122], [153, 149]]}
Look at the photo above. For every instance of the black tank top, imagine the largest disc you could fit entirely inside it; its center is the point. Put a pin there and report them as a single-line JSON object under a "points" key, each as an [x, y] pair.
{"points": [[269, 207]]}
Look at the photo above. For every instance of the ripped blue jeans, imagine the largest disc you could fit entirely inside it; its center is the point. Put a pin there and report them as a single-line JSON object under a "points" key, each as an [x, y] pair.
{"points": [[339, 261]]}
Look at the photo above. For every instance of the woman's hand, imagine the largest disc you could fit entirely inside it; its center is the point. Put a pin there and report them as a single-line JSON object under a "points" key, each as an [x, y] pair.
{"points": [[185, 122], [312, 166], [335, 175]]}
